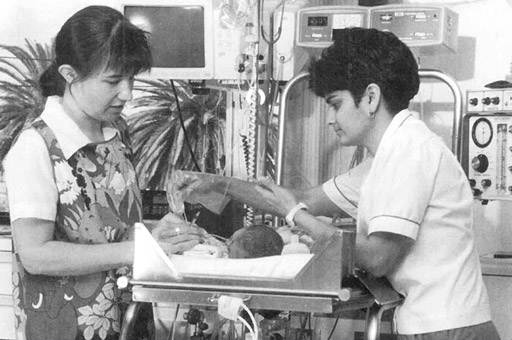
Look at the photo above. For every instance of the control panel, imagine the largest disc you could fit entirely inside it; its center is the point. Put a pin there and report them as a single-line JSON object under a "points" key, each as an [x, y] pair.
{"points": [[418, 25], [487, 144], [489, 100], [316, 26], [154, 204]]}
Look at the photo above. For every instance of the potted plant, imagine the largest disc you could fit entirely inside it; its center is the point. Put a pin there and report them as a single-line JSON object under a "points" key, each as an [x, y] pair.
{"points": [[171, 128]]}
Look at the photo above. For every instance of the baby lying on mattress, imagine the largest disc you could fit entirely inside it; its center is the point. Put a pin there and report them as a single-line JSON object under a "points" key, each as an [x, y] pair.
{"points": [[249, 242]]}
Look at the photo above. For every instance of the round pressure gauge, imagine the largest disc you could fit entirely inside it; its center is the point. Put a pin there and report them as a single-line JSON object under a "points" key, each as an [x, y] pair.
{"points": [[482, 132]]}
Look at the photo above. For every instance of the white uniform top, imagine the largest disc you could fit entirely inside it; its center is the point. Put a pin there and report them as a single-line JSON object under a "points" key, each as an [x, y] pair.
{"points": [[28, 164], [416, 188], [344, 189]]}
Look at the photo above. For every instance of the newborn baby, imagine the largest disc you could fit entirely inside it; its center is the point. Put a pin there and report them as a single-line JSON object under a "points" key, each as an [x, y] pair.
{"points": [[246, 243], [249, 242], [255, 241]]}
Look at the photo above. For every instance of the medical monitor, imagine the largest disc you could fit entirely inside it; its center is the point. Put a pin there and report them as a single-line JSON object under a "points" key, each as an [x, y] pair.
{"points": [[181, 36]]}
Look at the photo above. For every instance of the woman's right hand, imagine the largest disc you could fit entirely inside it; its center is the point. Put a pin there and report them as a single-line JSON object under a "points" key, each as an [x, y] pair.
{"points": [[279, 197], [192, 185], [175, 235]]}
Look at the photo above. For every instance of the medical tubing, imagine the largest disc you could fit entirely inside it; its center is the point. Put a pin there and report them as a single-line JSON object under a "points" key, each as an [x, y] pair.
{"points": [[250, 144], [246, 150], [246, 324], [253, 320]]}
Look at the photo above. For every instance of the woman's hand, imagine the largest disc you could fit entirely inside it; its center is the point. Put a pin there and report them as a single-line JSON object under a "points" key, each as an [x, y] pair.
{"points": [[175, 235], [284, 200], [191, 185], [279, 197]]}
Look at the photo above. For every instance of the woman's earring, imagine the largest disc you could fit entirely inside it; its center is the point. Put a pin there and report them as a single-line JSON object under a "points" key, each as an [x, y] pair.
{"points": [[371, 114]]}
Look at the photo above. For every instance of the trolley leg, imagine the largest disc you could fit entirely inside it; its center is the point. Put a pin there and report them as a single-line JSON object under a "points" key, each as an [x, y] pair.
{"points": [[373, 317], [129, 320]]}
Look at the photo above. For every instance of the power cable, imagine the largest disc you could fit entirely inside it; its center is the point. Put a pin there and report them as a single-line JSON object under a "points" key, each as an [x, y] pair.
{"points": [[180, 116]]}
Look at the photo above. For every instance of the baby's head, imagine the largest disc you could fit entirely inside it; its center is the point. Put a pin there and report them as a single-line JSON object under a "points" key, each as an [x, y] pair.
{"points": [[255, 241]]}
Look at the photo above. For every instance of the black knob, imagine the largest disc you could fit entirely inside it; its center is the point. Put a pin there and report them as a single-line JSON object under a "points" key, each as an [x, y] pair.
{"points": [[473, 102], [486, 101], [472, 182], [194, 316], [477, 192], [480, 163], [486, 183], [495, 100]]}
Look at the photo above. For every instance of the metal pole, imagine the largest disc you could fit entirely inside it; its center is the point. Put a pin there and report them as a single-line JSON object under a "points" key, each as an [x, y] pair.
{"points": [[373, 318], [129, 320], [425, 73], [282, 120], [458, 113]]}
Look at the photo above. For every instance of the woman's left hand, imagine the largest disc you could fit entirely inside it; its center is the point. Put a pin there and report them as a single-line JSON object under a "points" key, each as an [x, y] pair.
{"points": [[176, 235]]}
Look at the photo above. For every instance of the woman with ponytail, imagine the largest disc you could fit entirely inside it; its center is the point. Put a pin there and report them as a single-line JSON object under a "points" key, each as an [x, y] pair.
{"points": [[72, 190]]}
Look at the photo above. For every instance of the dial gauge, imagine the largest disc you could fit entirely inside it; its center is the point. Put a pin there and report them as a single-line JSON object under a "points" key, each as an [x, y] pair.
{"points": [[482, 132]]}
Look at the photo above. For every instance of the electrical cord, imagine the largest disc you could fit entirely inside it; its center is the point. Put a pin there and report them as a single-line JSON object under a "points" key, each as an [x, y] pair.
{"points": [[333, 328], [276, 36], [180, 116], [170, 336]]}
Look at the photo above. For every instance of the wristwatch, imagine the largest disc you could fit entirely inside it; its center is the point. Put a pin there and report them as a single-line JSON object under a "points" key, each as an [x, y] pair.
{"points": [[291, 214]]}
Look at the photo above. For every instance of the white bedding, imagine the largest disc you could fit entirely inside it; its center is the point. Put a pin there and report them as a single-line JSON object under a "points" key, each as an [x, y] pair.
{"points": [[277, 267]]}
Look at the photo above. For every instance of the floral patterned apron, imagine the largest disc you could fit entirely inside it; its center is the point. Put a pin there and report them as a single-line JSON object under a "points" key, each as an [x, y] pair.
{"points": [[99, 202]]}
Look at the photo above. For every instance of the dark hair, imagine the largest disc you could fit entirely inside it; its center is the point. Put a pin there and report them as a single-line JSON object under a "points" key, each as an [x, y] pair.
{"points": [[97, 36], [260, 240], [359, 57]]}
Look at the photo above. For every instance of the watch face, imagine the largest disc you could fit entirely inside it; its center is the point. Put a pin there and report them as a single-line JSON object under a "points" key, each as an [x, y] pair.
{"points": [[482, 132]]}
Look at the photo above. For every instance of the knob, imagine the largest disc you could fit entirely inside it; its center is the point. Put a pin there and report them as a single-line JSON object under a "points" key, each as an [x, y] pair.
{"points": [[486, 101], [473, 102], [486, 183], [477, 192], [472, 182], [495, 100], [480, 163]]}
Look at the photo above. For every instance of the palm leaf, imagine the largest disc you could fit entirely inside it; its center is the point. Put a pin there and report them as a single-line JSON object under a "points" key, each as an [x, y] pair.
{"points": [[21, 100], [158, 139]]}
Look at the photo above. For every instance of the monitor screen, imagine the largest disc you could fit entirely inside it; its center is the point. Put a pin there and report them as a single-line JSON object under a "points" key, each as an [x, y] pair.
{"points": [[177, 33], [180, 36]]}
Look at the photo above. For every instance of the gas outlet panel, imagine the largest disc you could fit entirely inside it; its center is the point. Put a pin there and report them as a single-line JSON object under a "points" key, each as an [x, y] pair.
{"points": [[487, 156], [489, 100]]}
